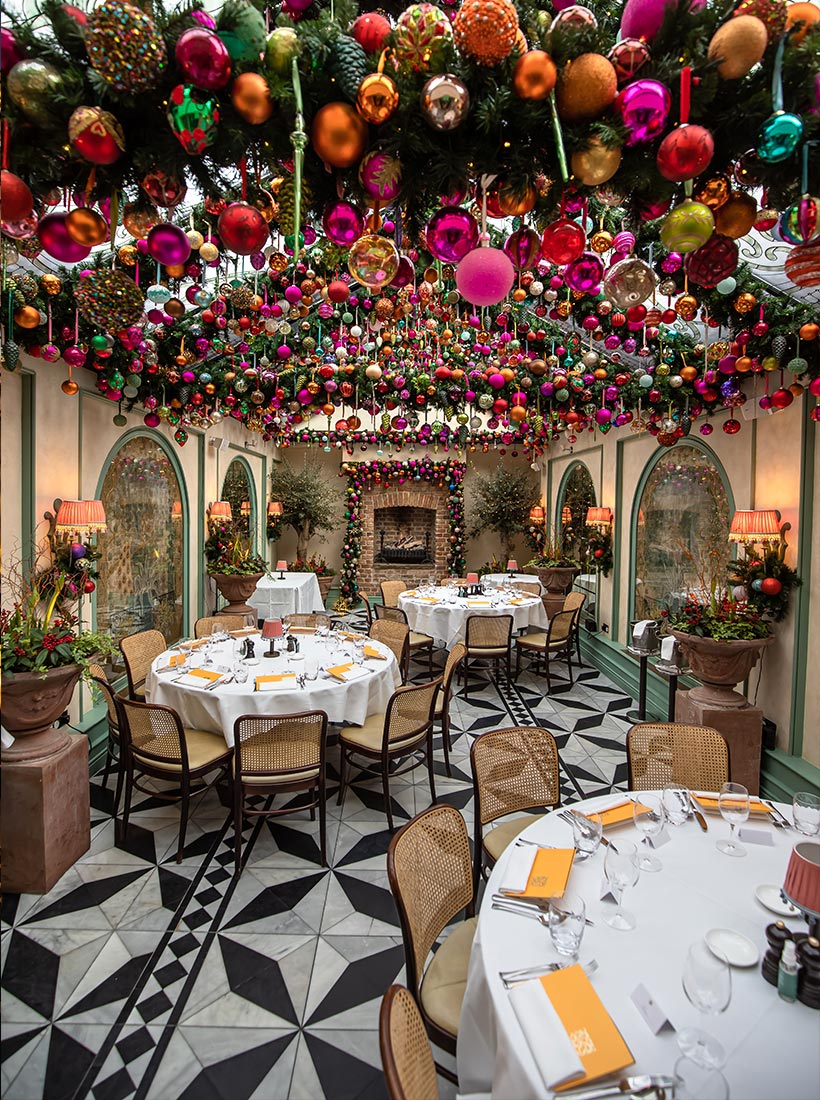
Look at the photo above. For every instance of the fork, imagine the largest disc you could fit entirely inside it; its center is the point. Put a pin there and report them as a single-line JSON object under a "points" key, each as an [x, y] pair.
{"points": [[528, 907], [778, 820], [567, 815], [513, 977]]}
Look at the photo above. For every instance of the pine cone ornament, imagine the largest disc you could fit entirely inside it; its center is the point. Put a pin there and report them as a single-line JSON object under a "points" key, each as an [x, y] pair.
{"points": [[780, 346], [11, 355], [348, 66], [287, 205]]}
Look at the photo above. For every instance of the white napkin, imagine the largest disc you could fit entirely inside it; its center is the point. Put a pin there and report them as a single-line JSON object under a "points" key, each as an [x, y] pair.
{"points": [[550, 1046], [519, 867], [187, 680], [279, 685]]}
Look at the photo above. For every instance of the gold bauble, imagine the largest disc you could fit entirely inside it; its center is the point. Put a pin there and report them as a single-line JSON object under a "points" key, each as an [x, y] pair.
{"points": [[175, 271], [70, 387], [745, 302], [209, 252], [586, 87], [86, 226], [195, 239], [596, 163], [736, 216], [139, 217], [377, 98], [687, 308], [564, 309], [713, 192], [251, 99], [514, 202], [738, 45], [601, 241], [27, 316], [338, 135], [174, 308], [51, 285], [127, 255]]}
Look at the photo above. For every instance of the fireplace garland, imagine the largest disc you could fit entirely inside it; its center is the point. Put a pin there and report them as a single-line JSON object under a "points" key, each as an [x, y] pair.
{"points": [[364, 475]]}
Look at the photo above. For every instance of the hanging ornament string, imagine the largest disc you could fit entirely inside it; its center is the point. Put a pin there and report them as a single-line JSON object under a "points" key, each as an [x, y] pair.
{"points": [[559, 139], [298, 140], [685, 93], [243, 170]]}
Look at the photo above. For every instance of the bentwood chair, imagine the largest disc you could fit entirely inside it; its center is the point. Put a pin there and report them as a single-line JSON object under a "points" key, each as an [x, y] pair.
{"points": [[391, 590], [277, 754], [395, 636], [487, 639], [428, 867], [139, 651], [113, 754], [419, 643], [555, 644], [407, 1060], [155, 743], [445, 694], [528, 588], [513, 770], [363, 596], [658, 753], [207, 625], [307, 620], [405, 730], [574, 601]]}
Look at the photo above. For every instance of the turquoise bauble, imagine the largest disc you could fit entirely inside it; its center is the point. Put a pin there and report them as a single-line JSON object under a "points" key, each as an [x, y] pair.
{"points": [[779, 137]]}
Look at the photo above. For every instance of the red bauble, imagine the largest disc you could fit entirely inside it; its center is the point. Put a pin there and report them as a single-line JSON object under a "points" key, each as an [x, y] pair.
{"points": [[685, 153], [370, 30], [16, 198], [732, 426], [712, 262], [771, 586], [338, 291], [242, 228], [563, 241], [781, 399], [96, 135]]}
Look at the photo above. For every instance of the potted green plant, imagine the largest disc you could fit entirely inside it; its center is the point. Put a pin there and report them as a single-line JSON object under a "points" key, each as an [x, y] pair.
{"points": [[555, 569], [235, 568], [310, 504], [502, 503], [317, 565]]}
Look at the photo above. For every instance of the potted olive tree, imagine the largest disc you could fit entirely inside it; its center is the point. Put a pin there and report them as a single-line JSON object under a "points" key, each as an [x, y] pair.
{"points": [[502, 503], [556, 570], [310, 506]]}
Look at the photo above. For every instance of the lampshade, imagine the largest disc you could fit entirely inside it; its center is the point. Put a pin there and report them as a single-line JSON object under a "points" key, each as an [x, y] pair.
{"points": [[566, 516], [96, 515], [512, 565], [176, 510], [537, 514], [472, 578], [598, 515], [761, 526], [221, 509], [275, 508], [802, 884], [281, 565], [272, 628], [72, 517], [245, 507]]}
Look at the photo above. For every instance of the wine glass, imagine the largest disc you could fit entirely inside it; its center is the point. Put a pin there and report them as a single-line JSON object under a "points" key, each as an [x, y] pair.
{"points": [[699, 1082], [566, 923], [621, 870], [649, 817], [676, 803], [587, 830], [707, 983], [733, 803], [806, 813]]}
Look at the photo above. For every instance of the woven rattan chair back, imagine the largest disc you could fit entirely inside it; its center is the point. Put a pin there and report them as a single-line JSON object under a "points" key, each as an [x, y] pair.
{"points": [[138, 652], [390, 614], [428, 866], [395, 636], [312, 619], [97, 674], [410, 710], [560, 627], [407, 1060], [514, 769], [209, 624], [279, 745], [453, 580], [391, 590], [454, 659], [152, 732], [368, 610], [488, 632], [528, 588], [669, 752], [574, 601]]}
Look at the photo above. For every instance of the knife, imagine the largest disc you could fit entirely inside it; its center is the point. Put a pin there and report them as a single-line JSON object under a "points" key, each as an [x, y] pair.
{"points": [[624, 1085], [697, 813]]}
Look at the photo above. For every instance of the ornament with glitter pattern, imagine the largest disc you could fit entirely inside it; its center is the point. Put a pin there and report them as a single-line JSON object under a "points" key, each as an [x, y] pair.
{"points": [[125, 47], [109, 299]]}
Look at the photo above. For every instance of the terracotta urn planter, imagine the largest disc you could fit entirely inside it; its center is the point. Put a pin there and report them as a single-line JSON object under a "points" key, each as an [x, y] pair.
{"points": [[236, 588], [325, 585], [32, 703], [557, 580], [719, 666]]}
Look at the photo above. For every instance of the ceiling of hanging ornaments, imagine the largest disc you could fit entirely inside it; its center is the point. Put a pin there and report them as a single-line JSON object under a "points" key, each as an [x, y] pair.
{"points": [[491, 223]]}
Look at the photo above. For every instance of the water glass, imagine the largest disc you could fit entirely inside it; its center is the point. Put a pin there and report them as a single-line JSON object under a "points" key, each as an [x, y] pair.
{"points": [[806, 813], [311, 667], [622, 871], [649, 817], [733, 803], [587, 831], [699, 1082], [566, 923], [676, 803], [241, 673], [707, 983]]}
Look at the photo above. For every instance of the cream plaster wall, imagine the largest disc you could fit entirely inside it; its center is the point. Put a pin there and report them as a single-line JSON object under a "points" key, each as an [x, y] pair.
{"points": [[811, 724]]}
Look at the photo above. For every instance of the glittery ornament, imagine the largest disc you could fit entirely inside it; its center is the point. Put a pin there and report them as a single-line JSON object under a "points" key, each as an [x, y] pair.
{"points": [[629, 282], [124, 46], [109, 299], [373, 260], [745, 302], [486, 30], [96, 135], [242, 29], [586, 87], [713, 261], [737, 46], [444, 102], [687, 227], [32, 85], [162, 188], [485, 276], [628, 57], [771, 13], [422, 33], [193, 118]]}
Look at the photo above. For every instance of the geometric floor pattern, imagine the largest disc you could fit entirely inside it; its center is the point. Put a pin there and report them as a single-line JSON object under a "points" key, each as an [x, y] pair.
{"points": [[140, 977]]}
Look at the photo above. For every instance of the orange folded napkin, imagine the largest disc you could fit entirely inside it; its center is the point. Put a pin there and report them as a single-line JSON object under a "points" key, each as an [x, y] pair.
{"points": [[245, 633], [350, 636], [710, 803], [548, 874], [198, 677], [591, 1029], [369, 651], [338, 671], [271, 683], [302, 629], [193, 644], [516, 602], [620, 814], [478, 603], [174, 661]]}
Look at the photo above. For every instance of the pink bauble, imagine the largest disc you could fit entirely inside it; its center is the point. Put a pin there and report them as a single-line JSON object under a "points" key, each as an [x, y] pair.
{"points": [[451, 234], [485, 276], [523, 248], [56, 240], [204, 59], [563, 241], [644, 107], [585, 273], [406, 273], [643, 18], [168, 244], [380, 176], [10, 52], [342, 222]]}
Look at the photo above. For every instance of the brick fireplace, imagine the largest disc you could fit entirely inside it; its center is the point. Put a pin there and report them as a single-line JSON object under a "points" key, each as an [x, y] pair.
{"points": [[417, 510]]}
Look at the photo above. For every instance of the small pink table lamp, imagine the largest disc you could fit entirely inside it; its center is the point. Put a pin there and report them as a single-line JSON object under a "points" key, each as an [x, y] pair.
{"points": [[512, 566], [272, 629], [281, 566]]}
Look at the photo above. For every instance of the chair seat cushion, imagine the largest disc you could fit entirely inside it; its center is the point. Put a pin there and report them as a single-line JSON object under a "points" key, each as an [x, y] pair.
{"points": [[370, 736], [497, 839], [282, 778], [445, 979], [203, 748], [539, 641], [418, 641], [487, 651]]}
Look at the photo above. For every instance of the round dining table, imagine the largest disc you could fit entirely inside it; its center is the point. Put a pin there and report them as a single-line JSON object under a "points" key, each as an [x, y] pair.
{"points": [[771, 1045], [348, 697], [442, 614]]}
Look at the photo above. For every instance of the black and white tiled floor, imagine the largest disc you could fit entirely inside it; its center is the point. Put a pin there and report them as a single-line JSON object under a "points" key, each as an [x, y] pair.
{"points": [[140, 977]]}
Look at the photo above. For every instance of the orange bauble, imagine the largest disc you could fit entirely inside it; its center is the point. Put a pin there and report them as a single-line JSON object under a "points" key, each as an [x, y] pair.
{"points": [[534, 75], [27, 317], [518, 413], [736, 216], [801, 13], [486, 30], [586, 88], [339, 135], [809, 331], [251, 99], [689, 374], [515, 202], [86, 226]]}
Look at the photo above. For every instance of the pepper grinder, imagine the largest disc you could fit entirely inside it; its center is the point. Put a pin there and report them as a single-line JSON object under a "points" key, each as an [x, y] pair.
{"points": [[776, 936], [808, 990]]}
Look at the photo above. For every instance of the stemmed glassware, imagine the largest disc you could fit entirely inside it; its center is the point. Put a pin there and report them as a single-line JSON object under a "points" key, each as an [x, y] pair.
{"points": [[733, 803], [676, 803], [587, 830], [707, 983], [649, 817], [622, 871]]}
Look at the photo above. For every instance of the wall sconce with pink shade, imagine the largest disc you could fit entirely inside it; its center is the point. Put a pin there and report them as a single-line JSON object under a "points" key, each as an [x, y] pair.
{"points": [[275, 509], [74, 520], [537, 514], [759, 526], [220, 509], [599, 517], [176, 510]]}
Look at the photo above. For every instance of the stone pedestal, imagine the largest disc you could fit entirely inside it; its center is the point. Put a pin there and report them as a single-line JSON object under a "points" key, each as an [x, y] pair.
{"points": [[46, 817], [742, 728]]}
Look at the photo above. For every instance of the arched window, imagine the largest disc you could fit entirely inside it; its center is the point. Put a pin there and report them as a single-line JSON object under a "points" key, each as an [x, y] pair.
{"points": [[575, 495], [141, 565], [237, 488], [681, 530]]}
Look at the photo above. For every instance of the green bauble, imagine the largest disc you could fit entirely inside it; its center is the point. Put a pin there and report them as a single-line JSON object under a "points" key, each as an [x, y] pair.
{"points": [[687, 227], [242, 29], [348, 66], [282, 47]]}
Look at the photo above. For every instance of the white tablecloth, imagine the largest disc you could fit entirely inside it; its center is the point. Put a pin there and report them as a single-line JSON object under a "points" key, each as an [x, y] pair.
{"points": [[446, 620], [218, 708], [502, 578], [771, 1046], [274, 598]]}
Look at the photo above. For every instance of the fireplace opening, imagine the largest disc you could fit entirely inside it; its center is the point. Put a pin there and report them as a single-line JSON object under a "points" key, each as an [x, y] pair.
{"points": [[405, 534]]}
